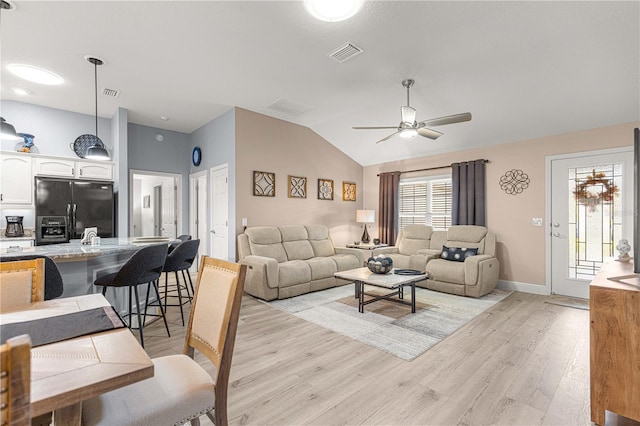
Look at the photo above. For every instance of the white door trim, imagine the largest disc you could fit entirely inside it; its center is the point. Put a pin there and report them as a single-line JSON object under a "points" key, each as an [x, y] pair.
{"points": [[178, 178], [547, 197]]}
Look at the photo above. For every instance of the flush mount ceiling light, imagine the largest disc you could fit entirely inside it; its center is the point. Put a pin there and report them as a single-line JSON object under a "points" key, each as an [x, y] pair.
{"points": [[332, 10], [35, 74]]}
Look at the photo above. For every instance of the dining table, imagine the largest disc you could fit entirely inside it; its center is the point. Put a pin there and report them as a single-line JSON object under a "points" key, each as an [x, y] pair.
{"points": [[64, 373]]}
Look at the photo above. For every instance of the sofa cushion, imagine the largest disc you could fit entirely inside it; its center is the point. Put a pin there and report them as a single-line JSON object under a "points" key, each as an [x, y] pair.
{"points": [[344, 262], [414, 238], [293, 272], [320, 241], [443, 270], [266, 241], [322, 267], [457, 254], [295, 242]]}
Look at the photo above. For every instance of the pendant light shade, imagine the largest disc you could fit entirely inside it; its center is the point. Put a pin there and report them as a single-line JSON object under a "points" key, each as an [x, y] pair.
{"points": [[8, 131], [95, 148]]}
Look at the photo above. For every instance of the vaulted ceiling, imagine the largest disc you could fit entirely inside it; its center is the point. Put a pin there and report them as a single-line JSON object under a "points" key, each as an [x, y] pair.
{"points": [[523, 69]]}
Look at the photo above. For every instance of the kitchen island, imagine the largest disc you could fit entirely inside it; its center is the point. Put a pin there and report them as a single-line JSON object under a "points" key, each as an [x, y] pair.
{"points": [[81, 264]]}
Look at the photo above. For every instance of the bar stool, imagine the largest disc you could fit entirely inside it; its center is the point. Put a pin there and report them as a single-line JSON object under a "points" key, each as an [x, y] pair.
{"points": [[182, 238], [144, 267], [180, 259]]}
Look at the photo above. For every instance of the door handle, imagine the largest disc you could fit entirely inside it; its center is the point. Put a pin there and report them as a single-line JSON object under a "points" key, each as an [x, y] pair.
{"points": [[213, 231]]}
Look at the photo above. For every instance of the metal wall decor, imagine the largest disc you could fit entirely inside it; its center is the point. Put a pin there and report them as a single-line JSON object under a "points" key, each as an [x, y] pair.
{"points": [[514, 181], [325, 189], [348, 191], [297, 187], [264, 184]]}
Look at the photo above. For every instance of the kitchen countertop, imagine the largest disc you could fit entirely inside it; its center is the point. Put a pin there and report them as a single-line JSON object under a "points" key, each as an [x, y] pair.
{"points": [[75, 249]]}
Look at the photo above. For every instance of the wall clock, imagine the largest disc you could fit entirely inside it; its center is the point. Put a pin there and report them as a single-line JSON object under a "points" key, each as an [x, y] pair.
{"points": [[196, 156]]}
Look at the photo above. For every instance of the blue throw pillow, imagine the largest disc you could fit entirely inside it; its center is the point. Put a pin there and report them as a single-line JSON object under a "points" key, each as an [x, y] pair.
{"points": [[457, 254]]}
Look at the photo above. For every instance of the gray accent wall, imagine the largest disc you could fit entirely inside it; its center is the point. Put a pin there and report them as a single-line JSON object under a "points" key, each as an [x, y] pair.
{"points": [[217, 140]]}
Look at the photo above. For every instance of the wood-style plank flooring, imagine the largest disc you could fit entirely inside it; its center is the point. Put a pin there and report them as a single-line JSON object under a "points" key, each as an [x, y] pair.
{"points": [[522, 362]]}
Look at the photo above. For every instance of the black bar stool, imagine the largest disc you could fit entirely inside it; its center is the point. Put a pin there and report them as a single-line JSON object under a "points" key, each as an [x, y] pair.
{"points": [[180, 259], [144, 267]]}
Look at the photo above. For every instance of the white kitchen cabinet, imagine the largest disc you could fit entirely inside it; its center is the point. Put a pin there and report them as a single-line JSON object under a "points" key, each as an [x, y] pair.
{"points": [[61, 167], [91, 170], [6, 244], [16, 180], [55, 167]]}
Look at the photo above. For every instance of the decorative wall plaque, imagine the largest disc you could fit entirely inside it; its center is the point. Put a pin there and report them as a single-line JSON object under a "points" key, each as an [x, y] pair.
{"points": [[297, 187], [264, 184], [348, 191], [325, 189], [514, 181]]}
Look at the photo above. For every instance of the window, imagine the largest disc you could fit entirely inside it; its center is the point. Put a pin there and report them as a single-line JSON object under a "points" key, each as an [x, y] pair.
{"points": [[425, 200]]}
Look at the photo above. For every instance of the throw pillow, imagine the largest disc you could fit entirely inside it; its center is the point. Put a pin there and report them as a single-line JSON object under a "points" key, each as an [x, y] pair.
{"points": [[457, 254]]}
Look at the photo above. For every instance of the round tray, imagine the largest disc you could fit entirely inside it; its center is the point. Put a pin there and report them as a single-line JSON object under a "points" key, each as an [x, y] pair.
{"points": [[84, 142]]}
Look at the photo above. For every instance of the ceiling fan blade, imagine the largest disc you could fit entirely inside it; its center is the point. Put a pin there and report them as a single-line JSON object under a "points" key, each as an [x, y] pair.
{"points": [[429, 133], [384, 127], [388, 137], [449, 119]]}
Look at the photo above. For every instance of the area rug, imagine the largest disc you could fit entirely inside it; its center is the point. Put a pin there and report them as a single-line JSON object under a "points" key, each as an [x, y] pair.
{"points": [[389, 326]]}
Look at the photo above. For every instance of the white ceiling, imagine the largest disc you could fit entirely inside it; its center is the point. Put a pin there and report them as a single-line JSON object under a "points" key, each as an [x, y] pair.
{"points": [[523, 69]]}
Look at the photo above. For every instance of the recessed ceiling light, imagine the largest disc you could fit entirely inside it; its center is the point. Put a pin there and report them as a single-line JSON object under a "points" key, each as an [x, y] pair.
{"points": [[21, 91], [163, 118], [35, 74], [333, 10]]}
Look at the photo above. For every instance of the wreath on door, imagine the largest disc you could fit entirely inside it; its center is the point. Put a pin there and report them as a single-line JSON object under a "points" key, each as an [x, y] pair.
{"points": [[585, 194]]}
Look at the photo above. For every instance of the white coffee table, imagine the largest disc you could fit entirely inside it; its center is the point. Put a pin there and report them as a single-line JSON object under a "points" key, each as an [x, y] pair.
{"points": [[391, 281]]}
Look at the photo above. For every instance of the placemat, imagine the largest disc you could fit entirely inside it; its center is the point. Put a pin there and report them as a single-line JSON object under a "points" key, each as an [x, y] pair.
{"points": [[56, 329]]}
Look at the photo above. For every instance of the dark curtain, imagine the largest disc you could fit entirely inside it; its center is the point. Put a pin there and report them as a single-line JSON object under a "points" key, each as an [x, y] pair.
{"points": [[388, 207], [468, 193]]}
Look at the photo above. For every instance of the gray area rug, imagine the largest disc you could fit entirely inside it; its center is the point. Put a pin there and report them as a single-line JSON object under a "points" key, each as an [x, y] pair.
{"points": [[389, 326]]}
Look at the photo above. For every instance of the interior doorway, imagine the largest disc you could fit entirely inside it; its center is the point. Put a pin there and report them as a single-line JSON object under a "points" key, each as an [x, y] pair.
{"points": [[591, 209], [146, 199], [198, 218], [219, 242]]}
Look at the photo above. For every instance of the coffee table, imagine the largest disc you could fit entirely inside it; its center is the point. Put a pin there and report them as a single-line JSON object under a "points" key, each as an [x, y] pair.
{"points": [[391, 281]]}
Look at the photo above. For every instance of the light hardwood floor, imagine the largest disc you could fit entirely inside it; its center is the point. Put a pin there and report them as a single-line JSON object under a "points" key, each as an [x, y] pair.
{"points": [[522, 362]]}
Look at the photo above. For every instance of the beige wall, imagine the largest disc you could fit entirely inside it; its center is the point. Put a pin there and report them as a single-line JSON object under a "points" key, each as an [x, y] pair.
{"points": [[521, 247], [271, 145]]}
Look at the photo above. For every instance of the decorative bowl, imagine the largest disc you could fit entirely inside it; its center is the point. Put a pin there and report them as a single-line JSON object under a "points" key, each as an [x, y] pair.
{"points": [[380, 264]]}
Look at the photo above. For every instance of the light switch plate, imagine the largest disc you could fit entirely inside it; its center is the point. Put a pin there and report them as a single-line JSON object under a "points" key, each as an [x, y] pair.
{"points": [[536, 221], [244, 221]]}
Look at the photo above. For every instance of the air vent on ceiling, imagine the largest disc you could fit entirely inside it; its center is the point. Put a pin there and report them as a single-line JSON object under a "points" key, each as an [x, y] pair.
{"points": [[288, 106], [345, 52], [110, 93]]}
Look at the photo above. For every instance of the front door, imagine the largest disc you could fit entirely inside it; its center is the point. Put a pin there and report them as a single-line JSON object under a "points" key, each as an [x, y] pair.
{"points": [[591, 210]]}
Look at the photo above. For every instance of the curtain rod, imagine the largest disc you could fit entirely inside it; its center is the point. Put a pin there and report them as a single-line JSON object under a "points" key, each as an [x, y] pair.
{"points": [[433, 168]]}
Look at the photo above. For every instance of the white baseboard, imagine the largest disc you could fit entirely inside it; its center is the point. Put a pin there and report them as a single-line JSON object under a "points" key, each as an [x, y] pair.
{"points": [[524, 287]]}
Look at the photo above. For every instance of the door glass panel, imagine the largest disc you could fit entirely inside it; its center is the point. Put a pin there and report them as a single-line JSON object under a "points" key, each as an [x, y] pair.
{"points": [[595, 217]]}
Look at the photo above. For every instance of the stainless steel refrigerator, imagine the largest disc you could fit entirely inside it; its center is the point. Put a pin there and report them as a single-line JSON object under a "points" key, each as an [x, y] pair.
{"points": [[81, 203]]}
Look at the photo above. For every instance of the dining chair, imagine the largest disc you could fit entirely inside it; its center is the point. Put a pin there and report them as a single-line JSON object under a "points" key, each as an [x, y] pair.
{"points": [[144, 267], [53, 284], [15, 391], [21, 283], [179, 260], [181, 390], [182, 238]]}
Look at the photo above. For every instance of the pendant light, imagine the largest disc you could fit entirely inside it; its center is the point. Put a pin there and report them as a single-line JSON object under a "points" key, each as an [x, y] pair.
{"points": [[8, 131], [96, 149]]}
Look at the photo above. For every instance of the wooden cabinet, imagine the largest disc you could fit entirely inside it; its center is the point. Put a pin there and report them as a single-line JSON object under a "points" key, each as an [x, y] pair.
{"points": [[61, 167], [16, 180], [615, 343]]}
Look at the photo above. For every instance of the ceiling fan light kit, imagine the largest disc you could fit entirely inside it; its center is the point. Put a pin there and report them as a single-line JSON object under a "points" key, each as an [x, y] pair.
{"points": [[409, 127]]}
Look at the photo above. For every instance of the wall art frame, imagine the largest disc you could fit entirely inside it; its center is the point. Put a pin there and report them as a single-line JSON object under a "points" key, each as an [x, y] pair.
{"points": [[264, 184], [325, 189], [348, 191], [297, 187]]}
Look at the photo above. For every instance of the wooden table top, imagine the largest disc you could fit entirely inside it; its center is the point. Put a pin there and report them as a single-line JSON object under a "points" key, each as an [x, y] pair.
{"points": [[68, 372]]}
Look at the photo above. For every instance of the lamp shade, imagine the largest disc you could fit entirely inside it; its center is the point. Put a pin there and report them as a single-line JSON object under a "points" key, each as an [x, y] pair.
{"points": [[365, 216], [97, 152], [8, 131]]}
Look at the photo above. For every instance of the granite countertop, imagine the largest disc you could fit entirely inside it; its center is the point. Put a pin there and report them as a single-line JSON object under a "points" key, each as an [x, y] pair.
{"points": [[75, 249]]}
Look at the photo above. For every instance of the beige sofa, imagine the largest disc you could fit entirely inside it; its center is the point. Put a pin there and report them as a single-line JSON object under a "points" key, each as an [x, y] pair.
{"points": [[475, 276], [286, 261]]}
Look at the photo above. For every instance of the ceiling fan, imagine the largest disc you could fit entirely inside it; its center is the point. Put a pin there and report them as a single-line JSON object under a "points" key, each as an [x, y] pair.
{"points": [[409, 127]]}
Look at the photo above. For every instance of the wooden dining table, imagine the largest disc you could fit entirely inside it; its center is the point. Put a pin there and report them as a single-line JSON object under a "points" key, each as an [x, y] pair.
{"points": [[65, 373]]}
